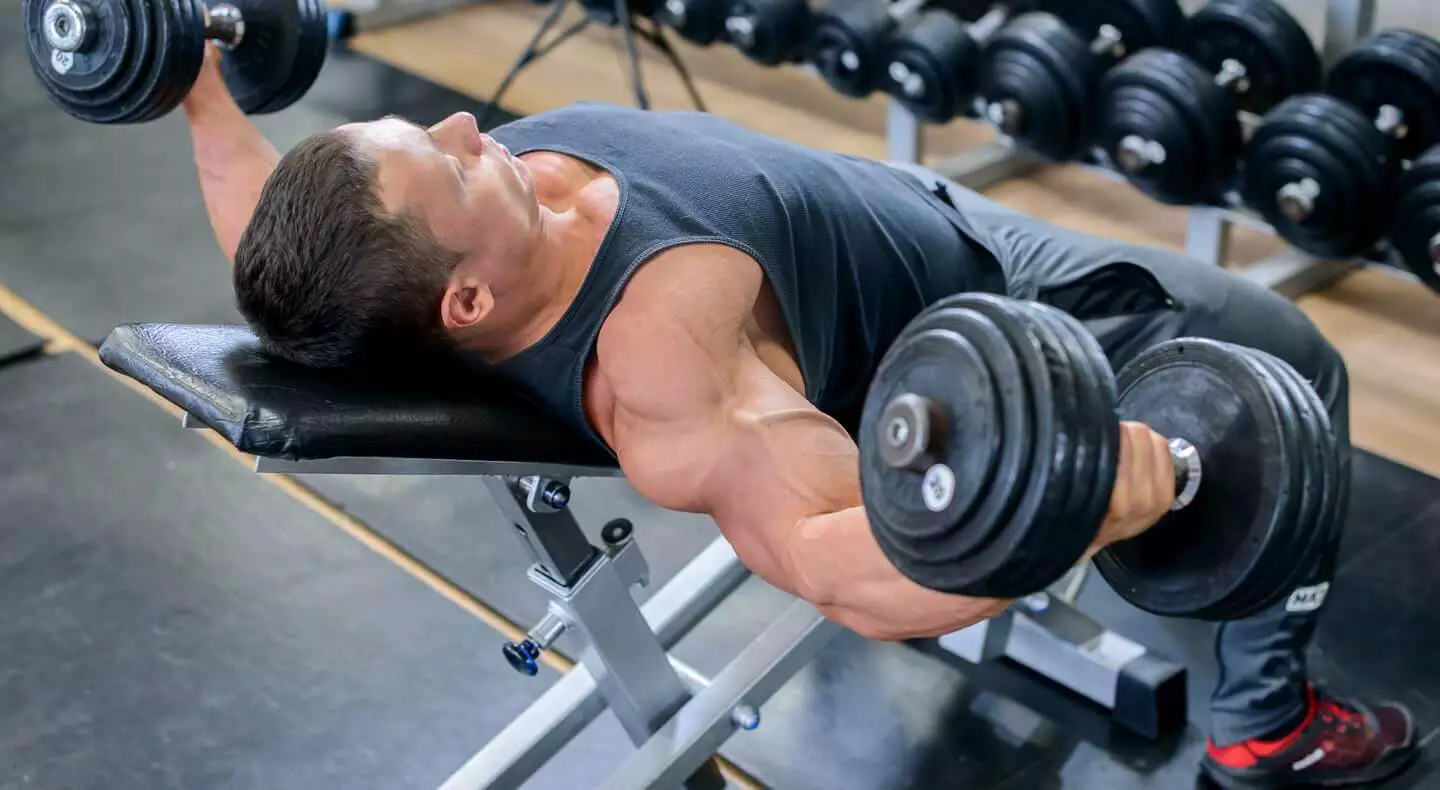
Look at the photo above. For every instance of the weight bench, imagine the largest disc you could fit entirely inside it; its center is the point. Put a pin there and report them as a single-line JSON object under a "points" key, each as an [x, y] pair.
{"points": [[462, 422]]}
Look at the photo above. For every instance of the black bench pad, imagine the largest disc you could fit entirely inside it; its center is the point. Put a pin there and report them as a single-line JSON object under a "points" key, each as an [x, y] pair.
{"points": [[268, 407]]}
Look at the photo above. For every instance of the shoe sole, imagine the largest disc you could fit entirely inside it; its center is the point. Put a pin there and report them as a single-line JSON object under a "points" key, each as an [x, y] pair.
{"points": [[1386, 767]]}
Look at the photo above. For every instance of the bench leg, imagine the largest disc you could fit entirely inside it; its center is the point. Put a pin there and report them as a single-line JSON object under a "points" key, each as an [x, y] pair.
{"points": [[731, 701], [624, 665], [1144, 693]]}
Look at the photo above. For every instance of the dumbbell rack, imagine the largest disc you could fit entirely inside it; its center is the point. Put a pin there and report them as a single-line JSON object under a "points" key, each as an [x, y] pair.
{"points": [[1207, 233]]}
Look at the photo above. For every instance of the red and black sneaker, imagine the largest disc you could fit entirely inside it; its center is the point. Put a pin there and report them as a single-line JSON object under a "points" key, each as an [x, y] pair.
{"points": [[1340, 743]]}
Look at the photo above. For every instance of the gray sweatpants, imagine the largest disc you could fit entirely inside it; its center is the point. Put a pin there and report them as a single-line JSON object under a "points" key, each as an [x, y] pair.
{"points": [[1133, 297]]}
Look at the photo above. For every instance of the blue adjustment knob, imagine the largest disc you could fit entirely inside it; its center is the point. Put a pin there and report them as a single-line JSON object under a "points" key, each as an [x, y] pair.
{"points": [[522, 656]]}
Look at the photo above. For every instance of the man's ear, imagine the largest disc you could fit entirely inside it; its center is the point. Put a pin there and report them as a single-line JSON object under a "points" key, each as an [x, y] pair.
{"points": [[467, 302]]}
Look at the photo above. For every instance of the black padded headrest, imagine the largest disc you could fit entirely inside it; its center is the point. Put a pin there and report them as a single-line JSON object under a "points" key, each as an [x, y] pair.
{"points": [[271, 408]]}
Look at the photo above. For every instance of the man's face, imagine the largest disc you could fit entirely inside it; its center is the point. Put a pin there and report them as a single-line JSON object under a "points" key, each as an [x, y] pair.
{"points": [[476, 198]]}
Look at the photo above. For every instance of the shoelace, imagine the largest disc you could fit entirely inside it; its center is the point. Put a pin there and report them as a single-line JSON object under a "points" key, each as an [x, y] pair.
{"points": [[1348, 717]]}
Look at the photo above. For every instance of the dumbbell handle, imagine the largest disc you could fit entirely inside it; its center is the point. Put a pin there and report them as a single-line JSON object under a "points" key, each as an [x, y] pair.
{"points": [[1188, 472], [985, 27], [904, 9], [1233, 75], [68, 25], [1108, 41], [224, 25], [1390, 120]]}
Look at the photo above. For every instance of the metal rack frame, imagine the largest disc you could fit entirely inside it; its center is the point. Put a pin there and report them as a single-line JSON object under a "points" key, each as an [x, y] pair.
{"points": [[1207, 233]]}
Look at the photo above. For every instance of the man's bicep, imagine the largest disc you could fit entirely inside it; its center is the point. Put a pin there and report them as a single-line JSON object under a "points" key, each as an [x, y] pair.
{"points": [[782, 481]]}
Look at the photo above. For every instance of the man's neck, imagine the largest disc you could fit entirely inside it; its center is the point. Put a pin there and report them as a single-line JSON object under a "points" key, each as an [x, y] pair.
{"points": [[560, 261]]}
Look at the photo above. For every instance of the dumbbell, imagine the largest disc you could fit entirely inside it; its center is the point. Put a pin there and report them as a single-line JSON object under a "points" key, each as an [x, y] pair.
{"points": [[769, 32], [700, 22], [1170, 123], [131, 61], [933, 60], [1321, 167], [1038, 75], [989, 445], [1415, 231], [848, 40]]}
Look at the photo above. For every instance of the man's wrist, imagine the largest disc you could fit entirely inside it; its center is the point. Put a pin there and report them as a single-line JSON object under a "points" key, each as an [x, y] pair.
{"points": [[202, 103]]}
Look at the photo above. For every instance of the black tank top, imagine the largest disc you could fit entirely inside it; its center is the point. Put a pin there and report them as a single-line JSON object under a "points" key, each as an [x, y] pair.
{"points": [[853, 248]]}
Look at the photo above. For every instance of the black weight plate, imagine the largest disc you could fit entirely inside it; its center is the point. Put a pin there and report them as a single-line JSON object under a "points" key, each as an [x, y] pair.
{"points": [[100, 72], [165, 81], [1400, 68], [314, 45], [1277, 54], [107, 78], [1040, 78], [1096, 383], [1320, 464], [1143, 24], [292, 89], [1194, 562], [1010, 565], [978, 391], [1285, 559], [1162, 96], [315, 40], [1279, 560], [1096, 432], [144, 81], [776, 29], [257, 69], [936, 48], [1048, 543], [1415, 230], [183, 57], [1318, 141], [847, 44], [697, 21]]}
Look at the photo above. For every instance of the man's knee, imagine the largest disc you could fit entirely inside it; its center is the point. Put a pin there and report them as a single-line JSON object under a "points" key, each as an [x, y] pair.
{"points": [[1259, 318]]}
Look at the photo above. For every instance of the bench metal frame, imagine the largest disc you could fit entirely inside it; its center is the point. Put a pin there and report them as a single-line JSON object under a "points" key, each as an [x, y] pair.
{"points": [[676, 717]]}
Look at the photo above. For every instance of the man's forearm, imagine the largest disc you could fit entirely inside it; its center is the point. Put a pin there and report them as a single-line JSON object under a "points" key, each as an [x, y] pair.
{"points": [[234, 160], [837, 565]]}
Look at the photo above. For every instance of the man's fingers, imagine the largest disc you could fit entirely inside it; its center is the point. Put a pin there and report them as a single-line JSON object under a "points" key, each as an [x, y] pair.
{"points": [[1119, 500], [1162, 473]]}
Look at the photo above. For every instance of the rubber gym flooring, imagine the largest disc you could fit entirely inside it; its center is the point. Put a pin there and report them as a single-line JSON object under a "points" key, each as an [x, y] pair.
{"points": [[168, 619]]}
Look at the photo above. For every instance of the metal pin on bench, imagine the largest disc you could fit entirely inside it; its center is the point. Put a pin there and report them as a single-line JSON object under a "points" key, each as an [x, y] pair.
{"points": [[299, 421]]}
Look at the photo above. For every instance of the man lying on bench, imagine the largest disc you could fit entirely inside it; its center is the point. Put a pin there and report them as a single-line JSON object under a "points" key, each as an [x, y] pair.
{"points": [[708, 305]]}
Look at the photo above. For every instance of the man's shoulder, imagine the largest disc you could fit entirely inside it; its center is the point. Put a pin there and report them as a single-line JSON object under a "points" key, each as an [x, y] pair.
{"points": [[680, 317]]}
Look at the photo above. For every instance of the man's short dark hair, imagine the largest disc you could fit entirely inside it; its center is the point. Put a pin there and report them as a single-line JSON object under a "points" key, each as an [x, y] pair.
{"points": [[326, 276]]}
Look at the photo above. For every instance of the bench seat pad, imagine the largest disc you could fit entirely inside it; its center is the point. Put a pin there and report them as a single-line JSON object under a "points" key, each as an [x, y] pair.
{"points": [[267, 407]]}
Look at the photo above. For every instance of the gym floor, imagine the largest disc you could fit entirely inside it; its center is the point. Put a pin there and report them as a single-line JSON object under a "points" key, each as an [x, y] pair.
{"points": [[170, 619]]}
